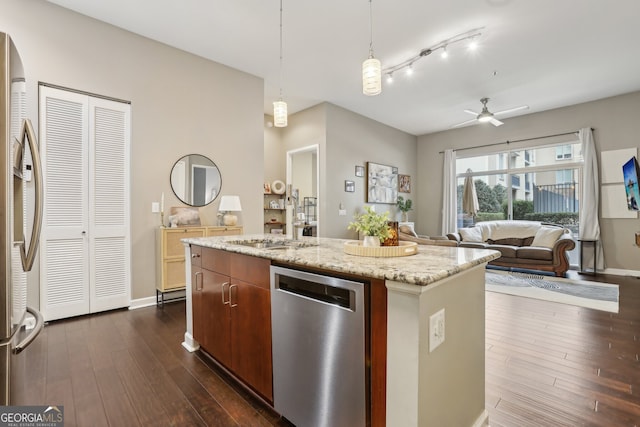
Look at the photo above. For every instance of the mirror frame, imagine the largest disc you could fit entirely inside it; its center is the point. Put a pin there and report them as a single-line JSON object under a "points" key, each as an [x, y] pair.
{"points": [[171, 173]]}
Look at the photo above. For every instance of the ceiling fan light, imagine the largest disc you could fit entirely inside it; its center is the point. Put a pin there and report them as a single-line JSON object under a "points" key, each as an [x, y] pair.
{"points": [[484, 117], [280, 114], [371, 77]]}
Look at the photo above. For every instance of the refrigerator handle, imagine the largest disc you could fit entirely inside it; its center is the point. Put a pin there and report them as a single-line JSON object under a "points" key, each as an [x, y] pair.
{"points": [[29, 257], [34, 333]]}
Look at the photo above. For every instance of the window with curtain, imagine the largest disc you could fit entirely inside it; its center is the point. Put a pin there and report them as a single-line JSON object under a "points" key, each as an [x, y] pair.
{"points": [[539, 183]]}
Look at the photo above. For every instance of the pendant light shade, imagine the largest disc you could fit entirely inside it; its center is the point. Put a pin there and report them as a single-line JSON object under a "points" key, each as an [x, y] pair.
{"points": [[280, 114], [371, 76], [371, 67]]}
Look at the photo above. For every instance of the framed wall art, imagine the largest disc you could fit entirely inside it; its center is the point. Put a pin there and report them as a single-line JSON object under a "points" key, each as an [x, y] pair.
{"points": [[359, 170], [349, 186], [404, 183], [382, 183]]}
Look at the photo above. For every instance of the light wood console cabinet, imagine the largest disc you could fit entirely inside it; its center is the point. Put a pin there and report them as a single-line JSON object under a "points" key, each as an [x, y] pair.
{"points": [[170, 271]]}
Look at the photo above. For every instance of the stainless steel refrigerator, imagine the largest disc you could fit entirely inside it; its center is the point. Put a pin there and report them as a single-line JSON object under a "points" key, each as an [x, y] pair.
{"points": [[20, 182]]}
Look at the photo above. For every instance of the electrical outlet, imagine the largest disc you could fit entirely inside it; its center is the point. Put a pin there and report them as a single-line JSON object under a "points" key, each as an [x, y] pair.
{"points": [[436, 330], [155, 207]]}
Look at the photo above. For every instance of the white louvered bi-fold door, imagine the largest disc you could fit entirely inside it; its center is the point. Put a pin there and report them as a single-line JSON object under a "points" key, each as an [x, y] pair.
{"points": [[84, 265]]}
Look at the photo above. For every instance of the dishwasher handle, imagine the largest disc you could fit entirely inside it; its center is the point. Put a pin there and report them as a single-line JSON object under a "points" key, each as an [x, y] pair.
{"points": [[317, 291]]}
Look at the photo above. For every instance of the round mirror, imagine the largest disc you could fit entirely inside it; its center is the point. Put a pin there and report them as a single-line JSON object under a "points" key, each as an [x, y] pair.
{"points": [[196, 180]]}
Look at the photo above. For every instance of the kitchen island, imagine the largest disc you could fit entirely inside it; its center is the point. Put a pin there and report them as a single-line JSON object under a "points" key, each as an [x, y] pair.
{"points": [[412, 382]]}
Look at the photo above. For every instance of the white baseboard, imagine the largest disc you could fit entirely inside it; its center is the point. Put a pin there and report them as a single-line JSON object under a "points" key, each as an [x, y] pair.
{"points": [[189, 343], [149, 301], [621, 272], [142, 302], [482, 420]]}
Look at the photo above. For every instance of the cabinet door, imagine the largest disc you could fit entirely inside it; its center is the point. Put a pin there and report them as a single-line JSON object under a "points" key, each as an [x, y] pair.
{"points": [[216, 316], [251, 336]]}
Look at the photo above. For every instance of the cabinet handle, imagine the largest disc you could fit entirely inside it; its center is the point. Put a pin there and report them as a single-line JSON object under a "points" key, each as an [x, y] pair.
{"points": [[198, 273], [232, 303], [195, 255], [223, 301]]}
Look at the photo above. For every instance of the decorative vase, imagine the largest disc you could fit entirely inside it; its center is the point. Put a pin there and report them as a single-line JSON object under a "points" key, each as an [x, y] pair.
{"points": [[371, 241], [405, 216], [392, 240]]}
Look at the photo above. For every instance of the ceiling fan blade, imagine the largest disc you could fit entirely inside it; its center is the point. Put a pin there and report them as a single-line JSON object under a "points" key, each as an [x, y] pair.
{"points": [[496, 122], [471, 112], [464, 123], [511, 110]]}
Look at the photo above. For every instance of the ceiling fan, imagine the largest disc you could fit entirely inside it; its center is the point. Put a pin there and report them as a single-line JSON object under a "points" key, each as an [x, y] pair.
{"points": [[487, 116]]}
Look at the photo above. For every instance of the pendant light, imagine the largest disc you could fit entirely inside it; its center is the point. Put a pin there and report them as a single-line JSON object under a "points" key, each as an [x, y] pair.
{"points": [[371, 68], [279, 106]]}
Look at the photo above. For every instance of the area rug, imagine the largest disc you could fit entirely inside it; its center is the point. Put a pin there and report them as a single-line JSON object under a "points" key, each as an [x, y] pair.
{"points": [[596, 295]]}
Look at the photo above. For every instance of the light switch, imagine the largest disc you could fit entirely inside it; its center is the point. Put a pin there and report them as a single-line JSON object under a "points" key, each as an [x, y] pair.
{"points": [[155, 207], [342, 212]]}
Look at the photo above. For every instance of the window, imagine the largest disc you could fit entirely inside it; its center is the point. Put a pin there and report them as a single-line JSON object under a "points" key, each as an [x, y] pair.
{"points": [[564, 176], [532, 186], [563, 152]]}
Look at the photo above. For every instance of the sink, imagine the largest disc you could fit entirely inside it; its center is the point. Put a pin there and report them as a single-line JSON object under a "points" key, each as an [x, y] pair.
{"points": [[273, 244]]}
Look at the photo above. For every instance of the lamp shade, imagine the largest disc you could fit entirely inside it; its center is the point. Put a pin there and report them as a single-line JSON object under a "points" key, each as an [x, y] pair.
{"points": [[230, 204], [371, 76], [280, 114]]}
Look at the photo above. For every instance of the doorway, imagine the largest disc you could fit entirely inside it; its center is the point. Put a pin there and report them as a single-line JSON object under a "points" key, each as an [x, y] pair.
{"points": [[303, 179]]}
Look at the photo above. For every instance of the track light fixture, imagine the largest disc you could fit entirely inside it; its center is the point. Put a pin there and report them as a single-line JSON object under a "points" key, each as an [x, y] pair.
{"points": [[471, 35]]}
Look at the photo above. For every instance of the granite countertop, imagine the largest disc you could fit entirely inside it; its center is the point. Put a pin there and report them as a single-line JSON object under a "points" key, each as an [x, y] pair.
{"points": [[430, 264]]}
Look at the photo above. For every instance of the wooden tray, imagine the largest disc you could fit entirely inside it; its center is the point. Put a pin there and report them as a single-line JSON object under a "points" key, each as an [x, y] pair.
{"points": [[404, 249]]}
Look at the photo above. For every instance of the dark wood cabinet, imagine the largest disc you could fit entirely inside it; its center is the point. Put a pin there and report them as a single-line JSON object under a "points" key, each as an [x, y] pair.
{"points": [[231, 305]]}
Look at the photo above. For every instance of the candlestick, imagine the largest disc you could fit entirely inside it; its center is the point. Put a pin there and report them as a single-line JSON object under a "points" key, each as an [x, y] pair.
{"points": [[162, 203]]}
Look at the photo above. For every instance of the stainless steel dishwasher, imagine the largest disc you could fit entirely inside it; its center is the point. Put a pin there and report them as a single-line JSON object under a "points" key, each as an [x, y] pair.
{"points": [[318, 328]]}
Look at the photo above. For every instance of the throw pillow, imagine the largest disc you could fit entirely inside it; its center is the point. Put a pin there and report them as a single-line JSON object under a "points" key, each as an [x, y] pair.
{"points": [[512, 241], [408, 230], [471, 234], [546, 237]]}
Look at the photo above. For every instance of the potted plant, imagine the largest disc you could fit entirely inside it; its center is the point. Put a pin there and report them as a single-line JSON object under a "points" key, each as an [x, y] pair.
{"points": [[405, 206], [374, 226]]}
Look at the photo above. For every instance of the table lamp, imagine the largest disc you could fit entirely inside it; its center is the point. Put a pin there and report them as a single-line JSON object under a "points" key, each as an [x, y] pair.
{"points": [[230, 204]]}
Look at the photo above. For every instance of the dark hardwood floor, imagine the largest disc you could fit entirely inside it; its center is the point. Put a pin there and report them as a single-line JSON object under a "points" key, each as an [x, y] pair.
{"points": [[547, 364]]}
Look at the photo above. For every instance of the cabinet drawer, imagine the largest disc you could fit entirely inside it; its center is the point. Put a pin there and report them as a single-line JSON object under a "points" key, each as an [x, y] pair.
{"points": [[173, 246], [216, 260], [223, 231], [251, 269]]}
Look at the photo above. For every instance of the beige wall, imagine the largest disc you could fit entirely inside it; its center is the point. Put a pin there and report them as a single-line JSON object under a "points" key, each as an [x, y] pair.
{"points": [[616, 126], [181, 104], [353, 140], [347, 139]]}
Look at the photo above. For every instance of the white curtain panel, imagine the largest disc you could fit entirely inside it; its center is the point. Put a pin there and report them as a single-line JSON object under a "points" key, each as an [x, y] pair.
{"points": [[589, 225], [449, 196]]}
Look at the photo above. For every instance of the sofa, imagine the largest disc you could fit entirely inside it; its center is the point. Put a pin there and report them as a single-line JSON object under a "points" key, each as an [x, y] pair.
{"points": [[408, 234], [526, 245]]}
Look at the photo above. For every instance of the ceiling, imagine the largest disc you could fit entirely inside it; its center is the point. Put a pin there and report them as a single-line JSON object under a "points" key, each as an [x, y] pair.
{"points": [[545, 53]]}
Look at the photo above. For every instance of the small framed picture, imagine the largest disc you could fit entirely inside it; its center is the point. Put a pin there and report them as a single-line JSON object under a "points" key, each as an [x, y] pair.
{"points": [[359, 170], [267, 188], [349, 186], [404, 183]]}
